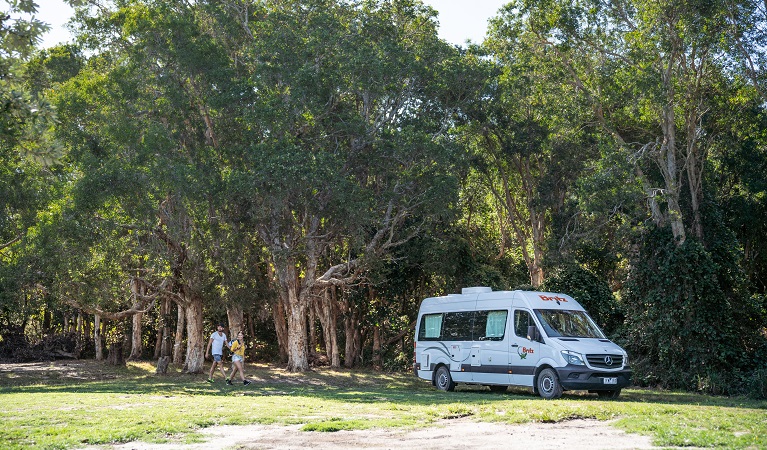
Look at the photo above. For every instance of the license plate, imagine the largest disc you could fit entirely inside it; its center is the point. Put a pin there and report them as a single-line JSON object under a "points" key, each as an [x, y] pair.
{"points": [[610, 380]]}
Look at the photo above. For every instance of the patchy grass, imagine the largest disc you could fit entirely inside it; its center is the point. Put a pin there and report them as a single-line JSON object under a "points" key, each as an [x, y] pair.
{"points": [[71, 404]]}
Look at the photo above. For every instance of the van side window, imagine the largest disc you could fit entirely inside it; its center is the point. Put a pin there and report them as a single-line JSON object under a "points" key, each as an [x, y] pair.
{"points": [[490, 325], [522, 320], [431, 327], [457, 326]]}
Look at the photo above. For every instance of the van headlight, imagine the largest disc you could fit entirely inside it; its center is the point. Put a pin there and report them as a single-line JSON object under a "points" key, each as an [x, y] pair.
{"points": [[626, 359], [573, 358]]}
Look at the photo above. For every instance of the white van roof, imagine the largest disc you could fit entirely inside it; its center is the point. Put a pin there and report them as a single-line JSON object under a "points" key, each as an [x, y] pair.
{"points": [[549, 300], [484, 297]]}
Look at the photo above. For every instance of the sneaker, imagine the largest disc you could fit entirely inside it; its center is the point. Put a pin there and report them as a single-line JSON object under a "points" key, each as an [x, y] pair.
{"points": [[210, 380], [228, 381], [246, 382]]}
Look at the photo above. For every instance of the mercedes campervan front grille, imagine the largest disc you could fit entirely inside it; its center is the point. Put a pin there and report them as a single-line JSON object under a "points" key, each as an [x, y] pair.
{"points": [[605, 361]]}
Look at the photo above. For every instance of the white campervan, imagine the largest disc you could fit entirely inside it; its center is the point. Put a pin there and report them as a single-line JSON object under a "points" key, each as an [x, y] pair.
{"points": [[542, 340]]}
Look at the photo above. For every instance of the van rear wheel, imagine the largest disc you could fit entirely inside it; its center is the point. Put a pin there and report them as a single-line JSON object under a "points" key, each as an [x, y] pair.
{"points": [[443, 380], [548, 384]]}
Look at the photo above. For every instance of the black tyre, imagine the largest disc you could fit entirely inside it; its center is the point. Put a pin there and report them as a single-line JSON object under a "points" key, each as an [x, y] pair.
{"points": [[609, 395], [497, 388], [443, 380], [548, 384]]}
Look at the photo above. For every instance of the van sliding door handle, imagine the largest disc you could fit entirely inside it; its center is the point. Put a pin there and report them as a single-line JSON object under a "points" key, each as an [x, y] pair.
{"points": [[514, 345]]}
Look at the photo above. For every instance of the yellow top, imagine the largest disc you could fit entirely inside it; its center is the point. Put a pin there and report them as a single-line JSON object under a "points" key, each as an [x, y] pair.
{"points": [[238, 349]]}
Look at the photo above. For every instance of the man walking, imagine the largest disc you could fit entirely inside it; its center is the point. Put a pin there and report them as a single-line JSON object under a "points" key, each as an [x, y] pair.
{"points": [[217, 341]]}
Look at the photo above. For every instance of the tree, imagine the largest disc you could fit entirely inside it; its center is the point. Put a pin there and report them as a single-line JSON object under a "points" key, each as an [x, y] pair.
{"points": [[344, 146], [650, 72], [532, 139], [140, 131], [28, 180]]}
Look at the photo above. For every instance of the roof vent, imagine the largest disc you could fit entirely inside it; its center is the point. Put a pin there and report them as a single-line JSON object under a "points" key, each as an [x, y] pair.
{"points": [[476, 290]]}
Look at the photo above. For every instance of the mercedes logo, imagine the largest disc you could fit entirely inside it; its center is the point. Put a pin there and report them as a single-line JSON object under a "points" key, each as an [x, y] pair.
{"points": [[609, 360]]}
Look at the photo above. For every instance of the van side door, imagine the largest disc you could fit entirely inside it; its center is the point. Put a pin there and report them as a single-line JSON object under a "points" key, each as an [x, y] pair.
{"points": [[491, 347], [524, 352]]}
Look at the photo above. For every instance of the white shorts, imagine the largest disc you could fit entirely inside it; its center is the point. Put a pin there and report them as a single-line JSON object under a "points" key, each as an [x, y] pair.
{"points": [[236, 358]]}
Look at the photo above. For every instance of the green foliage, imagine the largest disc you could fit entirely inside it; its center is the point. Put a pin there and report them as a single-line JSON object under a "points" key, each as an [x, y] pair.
{"points": [[686, 327], [591, 292], [25, 116]]}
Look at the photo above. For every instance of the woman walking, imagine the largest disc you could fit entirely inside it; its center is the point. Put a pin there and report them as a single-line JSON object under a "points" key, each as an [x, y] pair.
{"points": [[237, 347]]}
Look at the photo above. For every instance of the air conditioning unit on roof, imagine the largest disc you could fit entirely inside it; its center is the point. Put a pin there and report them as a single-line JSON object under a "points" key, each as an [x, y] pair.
{"points": [[476, 290]]}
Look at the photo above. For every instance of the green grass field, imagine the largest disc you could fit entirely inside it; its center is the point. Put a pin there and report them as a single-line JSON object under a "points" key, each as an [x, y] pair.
{"points": [[72, 404]]}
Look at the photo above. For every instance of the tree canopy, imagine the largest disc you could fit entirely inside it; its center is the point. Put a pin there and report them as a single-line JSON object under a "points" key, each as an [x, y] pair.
{"points": [[308, 171]]}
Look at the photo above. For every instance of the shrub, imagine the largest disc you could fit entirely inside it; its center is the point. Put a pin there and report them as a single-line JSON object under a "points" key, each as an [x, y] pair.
{"points": [[688, 323]]}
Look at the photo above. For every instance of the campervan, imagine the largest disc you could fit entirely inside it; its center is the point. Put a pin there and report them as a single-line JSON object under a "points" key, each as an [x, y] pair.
{"points": [[542, 340]]}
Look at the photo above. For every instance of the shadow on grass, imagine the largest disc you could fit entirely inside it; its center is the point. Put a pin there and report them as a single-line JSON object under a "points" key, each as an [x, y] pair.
{"points": [[358, 386]]}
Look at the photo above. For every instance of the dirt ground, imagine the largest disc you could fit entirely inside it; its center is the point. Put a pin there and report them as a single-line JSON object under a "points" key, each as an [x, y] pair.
{"points": [[461, 433]]}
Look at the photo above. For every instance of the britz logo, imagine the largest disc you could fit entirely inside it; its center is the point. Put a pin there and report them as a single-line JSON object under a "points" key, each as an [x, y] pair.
{"points": [[524, 351], [556, 298]]}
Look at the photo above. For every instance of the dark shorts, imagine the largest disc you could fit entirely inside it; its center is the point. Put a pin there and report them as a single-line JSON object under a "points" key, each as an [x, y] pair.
{"points": [[217, 358]]}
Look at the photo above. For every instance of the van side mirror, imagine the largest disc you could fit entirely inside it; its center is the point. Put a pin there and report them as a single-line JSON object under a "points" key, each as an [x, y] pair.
{"points": [[533, 334]]}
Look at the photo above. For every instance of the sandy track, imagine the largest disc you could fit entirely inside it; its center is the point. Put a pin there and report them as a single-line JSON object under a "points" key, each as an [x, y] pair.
{"points": [[464, 434]]}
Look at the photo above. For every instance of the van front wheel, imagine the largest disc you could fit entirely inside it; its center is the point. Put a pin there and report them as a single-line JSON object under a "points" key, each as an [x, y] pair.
{"points": [[443, 379], [548, 384]]}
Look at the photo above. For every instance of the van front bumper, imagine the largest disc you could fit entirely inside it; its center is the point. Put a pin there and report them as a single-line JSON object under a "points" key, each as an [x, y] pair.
{"points": [[574, 378]]}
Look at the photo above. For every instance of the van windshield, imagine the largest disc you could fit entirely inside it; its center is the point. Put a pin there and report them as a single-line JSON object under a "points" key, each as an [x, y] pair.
{"points": [[563, 323]]}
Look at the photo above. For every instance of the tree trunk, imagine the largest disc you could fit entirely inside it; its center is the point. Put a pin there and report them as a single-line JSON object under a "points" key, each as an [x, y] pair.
{"points": [[251, 325], [162, 341], [235, 316], [668, 154], [298, 360], [115, 356], [86, 328], [281, 327], [328, 320], [377, 348], [536, 274], [162, 365], [137, 345], [195, 345], [353, 335], [178, 344], [335, 358], [79, 327], [166, 321], [160, 326], [98, 343], [694, 168], [312, 319], [46, 321]]}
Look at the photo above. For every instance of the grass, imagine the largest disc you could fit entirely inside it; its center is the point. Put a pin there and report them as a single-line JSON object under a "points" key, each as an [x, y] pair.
{"points": [[64, 405]]}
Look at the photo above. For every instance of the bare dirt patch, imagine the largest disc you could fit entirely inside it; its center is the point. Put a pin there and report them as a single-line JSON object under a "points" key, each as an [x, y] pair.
{"points": [[75, 370], [463, 433]]}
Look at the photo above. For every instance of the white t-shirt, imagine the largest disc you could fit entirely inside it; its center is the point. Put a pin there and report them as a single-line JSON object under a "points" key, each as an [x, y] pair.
{"points": [[218, 343]]}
